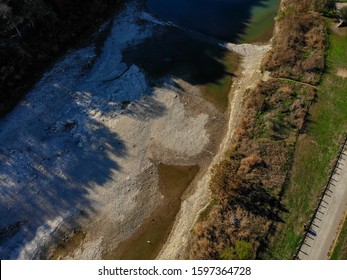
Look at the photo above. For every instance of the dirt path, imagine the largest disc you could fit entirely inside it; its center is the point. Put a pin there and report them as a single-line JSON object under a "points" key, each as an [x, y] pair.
{"points": [[191, 207], [323, 232]]}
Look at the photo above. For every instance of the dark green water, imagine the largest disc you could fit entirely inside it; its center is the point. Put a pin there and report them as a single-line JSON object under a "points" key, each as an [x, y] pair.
{"points": [[179, 54], [193, 56], [222, 19]]}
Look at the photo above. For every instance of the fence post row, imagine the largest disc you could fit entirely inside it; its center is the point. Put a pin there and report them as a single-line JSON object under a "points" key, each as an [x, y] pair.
{"points": [[296, 256]]}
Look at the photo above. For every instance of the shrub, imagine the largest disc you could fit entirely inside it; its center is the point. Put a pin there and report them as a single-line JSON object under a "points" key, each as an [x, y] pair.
{"points": [[242, 250], [327, 7], [299, 46], [343, 13]]}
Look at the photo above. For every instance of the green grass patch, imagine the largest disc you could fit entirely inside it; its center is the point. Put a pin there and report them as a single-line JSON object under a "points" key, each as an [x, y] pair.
{"points": [[340, 250], [242, 250], [261, 25], [204, 214], [315, 153], [218, 92]]}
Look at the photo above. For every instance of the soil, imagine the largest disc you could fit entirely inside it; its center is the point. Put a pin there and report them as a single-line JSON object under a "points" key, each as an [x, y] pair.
{"points": [[342, 73]]}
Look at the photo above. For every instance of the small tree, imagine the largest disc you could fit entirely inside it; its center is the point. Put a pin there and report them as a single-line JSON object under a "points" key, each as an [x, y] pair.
{"points": [[242, 250], [327, 7], [343, 14]]}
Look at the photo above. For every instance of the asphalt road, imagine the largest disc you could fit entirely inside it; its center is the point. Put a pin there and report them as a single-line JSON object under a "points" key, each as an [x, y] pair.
{"points": [[323, 232]]}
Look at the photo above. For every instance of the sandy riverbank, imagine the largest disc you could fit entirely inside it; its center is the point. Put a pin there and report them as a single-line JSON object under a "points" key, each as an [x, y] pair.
{"points": [[249, 76]]}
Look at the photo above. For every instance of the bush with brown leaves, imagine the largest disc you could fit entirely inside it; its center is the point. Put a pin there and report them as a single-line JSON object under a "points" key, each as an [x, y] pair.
{"points": [[299, 44]]}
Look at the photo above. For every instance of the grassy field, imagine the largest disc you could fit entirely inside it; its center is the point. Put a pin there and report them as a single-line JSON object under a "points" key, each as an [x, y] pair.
{"points": [[316, 150], [340, 250]]}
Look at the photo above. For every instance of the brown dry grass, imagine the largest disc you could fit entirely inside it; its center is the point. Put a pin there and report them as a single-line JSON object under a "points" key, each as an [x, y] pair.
{"points": [[299, 44]]}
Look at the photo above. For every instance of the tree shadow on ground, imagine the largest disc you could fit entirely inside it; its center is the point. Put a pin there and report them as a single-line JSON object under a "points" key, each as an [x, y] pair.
{"points": [[51, 172], [258, 201], [57, 152]]}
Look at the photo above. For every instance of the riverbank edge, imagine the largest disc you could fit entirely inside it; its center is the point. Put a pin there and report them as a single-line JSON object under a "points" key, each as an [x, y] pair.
{"points": [[194, 205], [235, 229]]}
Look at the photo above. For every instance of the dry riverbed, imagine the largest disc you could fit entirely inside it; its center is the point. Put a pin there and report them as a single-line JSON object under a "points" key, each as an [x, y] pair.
{"points": [[84, 154], [97, 158]]}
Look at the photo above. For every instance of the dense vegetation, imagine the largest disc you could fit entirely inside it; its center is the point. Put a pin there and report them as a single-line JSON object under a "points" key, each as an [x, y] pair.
{"points": [[299, 51], [249, 185], [34, 33]]}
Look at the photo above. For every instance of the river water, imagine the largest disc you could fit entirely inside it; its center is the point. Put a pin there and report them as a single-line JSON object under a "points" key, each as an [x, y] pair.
{"points": [[186, 52], [223, 19]]}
